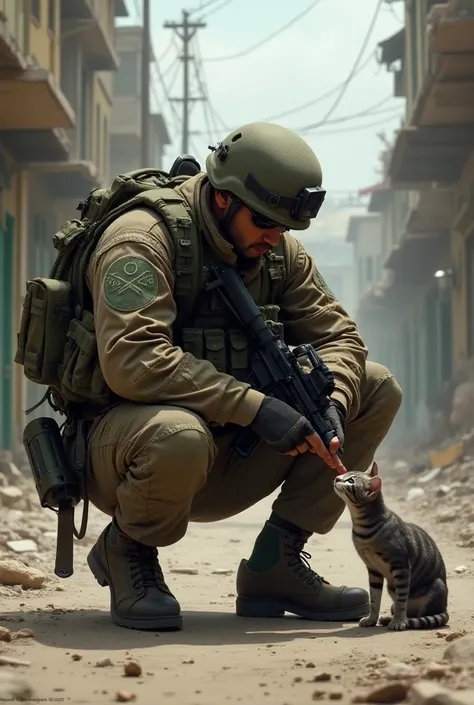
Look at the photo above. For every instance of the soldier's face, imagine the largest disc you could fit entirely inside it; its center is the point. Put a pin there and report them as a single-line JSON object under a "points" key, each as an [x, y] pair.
{"points": [[248, 237]]}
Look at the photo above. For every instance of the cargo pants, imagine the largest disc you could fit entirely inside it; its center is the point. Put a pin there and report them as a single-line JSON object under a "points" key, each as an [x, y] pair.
{"points": [[156, 468]]}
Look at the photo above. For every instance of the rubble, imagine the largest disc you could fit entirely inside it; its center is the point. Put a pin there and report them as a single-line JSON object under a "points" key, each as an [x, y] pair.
{"points": [[14, 572], [461, 651]]}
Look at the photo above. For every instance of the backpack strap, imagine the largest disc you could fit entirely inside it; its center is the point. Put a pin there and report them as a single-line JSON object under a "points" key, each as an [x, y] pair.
{"points": [[176, 213], [274, 277]]}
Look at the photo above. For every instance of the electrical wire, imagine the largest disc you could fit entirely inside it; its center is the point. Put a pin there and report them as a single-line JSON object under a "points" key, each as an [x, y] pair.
{"points": [[216, 9], [267, 39], [362, 113], [203, 6], [357, 128], [319, 98], [355, 65]]}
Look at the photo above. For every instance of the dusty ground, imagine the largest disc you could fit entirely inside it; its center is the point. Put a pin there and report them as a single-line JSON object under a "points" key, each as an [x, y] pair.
{"points": [[217, 658]]}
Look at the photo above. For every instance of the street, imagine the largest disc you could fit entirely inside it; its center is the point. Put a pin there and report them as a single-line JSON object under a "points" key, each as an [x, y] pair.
{"points": [[77, 655]]}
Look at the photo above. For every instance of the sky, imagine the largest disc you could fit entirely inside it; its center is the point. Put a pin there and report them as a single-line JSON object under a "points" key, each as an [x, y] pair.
{"points": [[310, 58]]}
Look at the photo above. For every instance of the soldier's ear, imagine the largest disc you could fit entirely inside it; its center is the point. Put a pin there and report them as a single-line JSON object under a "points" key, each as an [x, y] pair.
{"points": [[222, 199]]}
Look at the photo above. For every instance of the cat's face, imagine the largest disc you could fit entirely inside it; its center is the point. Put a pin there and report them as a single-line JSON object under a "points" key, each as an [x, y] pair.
{"points": [[358, 488]]}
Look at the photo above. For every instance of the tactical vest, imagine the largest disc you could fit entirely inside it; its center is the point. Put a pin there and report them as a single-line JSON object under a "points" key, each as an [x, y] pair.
{"points": [[57, 343]]}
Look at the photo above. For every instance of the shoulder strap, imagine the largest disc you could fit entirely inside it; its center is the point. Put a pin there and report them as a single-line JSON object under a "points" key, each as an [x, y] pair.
{"points": [[273, 280]]}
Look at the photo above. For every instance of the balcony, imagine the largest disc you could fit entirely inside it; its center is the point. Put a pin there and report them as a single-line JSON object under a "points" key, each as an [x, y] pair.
{"points": [[432, 212], [29, 146], [423, 156], [79, 17], [31, 101], [446, 96], [68, 179], [451, 30]]}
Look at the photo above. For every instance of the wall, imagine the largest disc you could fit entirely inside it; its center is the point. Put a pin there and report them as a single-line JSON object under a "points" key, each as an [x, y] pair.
{"points": [[462, 260], [367, 253], [44, 38]]}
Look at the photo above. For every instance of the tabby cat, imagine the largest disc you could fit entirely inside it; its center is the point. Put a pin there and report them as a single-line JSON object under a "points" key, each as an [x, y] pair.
{"points": [[401, 553]]}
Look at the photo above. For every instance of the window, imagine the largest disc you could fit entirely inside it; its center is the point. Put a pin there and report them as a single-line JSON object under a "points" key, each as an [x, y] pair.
{"points": [[36, 10], [127, 79]]}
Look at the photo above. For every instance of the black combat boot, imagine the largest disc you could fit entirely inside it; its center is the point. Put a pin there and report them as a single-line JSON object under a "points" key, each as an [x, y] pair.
{"points": [[139, 596], [278, 578]]}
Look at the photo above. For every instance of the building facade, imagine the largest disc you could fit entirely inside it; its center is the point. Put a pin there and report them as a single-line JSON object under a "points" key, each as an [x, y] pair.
{"points": [[125, 143], [57, 59], [423, 316]]}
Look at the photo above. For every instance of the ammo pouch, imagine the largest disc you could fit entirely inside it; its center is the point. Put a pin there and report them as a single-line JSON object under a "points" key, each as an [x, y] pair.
{"points": [[227, 350], [45, 320], [81, 377]]}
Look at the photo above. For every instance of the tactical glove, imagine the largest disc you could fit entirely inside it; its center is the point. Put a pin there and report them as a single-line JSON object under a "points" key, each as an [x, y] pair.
{"points": [[280, 426], [336, 418]]}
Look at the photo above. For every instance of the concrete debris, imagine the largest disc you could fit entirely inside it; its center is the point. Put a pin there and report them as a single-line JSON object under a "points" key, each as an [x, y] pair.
{"points": [[22, 546], [14, 572], [428, 693], [461, 651]]}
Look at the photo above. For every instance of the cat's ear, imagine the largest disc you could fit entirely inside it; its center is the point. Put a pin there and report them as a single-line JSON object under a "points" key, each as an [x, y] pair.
{"points": [[375, 484], [373, 470]]}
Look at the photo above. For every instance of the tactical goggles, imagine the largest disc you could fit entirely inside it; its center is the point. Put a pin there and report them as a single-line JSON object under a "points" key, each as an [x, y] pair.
{"points": [[306, 205]]}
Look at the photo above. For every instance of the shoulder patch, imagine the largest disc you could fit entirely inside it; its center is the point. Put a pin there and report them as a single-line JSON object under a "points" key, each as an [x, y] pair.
{"points": [[321, 283], [130, 283]]}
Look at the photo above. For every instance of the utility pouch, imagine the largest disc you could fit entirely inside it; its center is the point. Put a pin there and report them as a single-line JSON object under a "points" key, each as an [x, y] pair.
{"points": [[81, 376], [46, 315], [215, 348]]}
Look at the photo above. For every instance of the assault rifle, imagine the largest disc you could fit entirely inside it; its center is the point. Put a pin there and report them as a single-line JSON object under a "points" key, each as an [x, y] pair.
{"points": [[275, 369]]}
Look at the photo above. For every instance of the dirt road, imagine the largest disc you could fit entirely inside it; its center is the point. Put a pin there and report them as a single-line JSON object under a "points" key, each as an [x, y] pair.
{"points": [[217, 658]]}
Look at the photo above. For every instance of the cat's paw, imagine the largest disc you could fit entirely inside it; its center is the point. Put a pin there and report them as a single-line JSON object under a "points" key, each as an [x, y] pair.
{"points": [[368, 621], [398, 625]]}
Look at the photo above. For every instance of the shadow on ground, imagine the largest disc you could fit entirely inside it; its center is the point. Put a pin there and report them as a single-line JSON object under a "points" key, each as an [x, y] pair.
{"points": [[93, 629]]}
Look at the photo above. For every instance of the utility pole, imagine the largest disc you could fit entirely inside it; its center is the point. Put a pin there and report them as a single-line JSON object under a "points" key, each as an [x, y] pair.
{"points": [[145, 87], [186, 31]]}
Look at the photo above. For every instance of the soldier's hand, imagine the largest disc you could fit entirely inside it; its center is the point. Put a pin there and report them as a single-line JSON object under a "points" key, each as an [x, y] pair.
{"points": [[285, 431]]}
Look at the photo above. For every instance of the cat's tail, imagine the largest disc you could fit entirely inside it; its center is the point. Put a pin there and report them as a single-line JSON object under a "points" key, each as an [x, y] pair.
{"points": [[431, 621]]}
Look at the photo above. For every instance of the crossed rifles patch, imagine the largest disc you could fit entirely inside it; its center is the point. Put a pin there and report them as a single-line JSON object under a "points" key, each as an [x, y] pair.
{"points": [[130, 284]]}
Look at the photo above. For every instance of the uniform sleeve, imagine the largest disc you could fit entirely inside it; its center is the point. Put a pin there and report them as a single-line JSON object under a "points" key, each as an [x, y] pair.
{"points": [[132, 282], [311, 314]]}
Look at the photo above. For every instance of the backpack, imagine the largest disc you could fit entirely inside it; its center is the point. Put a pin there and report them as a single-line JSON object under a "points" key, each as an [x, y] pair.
{"points": [[56, 344]]}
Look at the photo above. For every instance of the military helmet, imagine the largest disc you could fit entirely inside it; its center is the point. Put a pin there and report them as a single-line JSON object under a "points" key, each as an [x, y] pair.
{"points": [[271, 170]]}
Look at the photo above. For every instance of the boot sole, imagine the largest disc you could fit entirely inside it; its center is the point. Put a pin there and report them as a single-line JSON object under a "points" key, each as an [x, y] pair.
{"points": [[273, 608], [171, 623]]}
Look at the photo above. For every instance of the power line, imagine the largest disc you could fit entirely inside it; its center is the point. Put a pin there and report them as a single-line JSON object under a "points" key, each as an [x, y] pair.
{"points": [[202, 6], [267, 39], [320, 98], [353, 70], [357, 128], [345, 118], [370, 110], [216, 9]]}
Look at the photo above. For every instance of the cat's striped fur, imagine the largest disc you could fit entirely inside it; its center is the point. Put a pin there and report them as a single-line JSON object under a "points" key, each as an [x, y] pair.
{"points": [[401, 553]]}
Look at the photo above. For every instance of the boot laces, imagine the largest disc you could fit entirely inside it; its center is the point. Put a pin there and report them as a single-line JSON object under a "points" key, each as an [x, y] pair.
{"points": [[145, 569], [298, 559]]}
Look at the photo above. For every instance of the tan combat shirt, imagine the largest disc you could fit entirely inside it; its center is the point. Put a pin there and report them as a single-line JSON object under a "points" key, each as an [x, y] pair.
{"points": [[136, 352]]}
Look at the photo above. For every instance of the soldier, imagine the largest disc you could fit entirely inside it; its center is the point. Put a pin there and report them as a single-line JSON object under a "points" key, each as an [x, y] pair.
{"points": [[163, 456]]}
